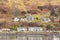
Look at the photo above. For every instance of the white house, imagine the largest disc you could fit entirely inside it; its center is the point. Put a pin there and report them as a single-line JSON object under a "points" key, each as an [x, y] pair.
{"points": [[0, 30], [16, 19], [21, 29], [35, 28], [5, 29], [46, 20], [29, 18]]}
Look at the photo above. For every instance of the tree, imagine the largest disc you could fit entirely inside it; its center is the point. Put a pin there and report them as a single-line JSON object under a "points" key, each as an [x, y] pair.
{"points": [[53, 12], [58, 10], [14, 11], [48, 27], [2, 24]]}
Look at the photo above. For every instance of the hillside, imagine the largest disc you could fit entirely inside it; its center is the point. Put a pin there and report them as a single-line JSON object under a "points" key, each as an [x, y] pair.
{"points": [[10, 9]]}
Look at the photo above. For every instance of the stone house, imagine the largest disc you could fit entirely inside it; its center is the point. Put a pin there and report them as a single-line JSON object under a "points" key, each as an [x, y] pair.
{"points": [[29, 18]]}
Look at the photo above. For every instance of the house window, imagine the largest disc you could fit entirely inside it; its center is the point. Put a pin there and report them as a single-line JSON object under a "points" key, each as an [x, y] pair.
{"points": [[46, 19]]}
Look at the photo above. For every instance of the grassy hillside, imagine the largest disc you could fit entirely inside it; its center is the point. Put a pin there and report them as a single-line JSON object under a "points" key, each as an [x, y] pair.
{"points": [[10, 9]]}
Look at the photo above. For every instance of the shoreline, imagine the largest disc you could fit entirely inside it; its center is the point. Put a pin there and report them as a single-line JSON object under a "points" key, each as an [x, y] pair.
{"points": [[28, 33]]}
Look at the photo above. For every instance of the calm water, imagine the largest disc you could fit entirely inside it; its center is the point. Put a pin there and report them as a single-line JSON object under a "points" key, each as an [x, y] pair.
{"points": [[29, 37]]}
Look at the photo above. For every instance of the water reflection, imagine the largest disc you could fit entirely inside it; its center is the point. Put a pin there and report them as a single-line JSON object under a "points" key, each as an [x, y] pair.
{"points": [[30, 37]]}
